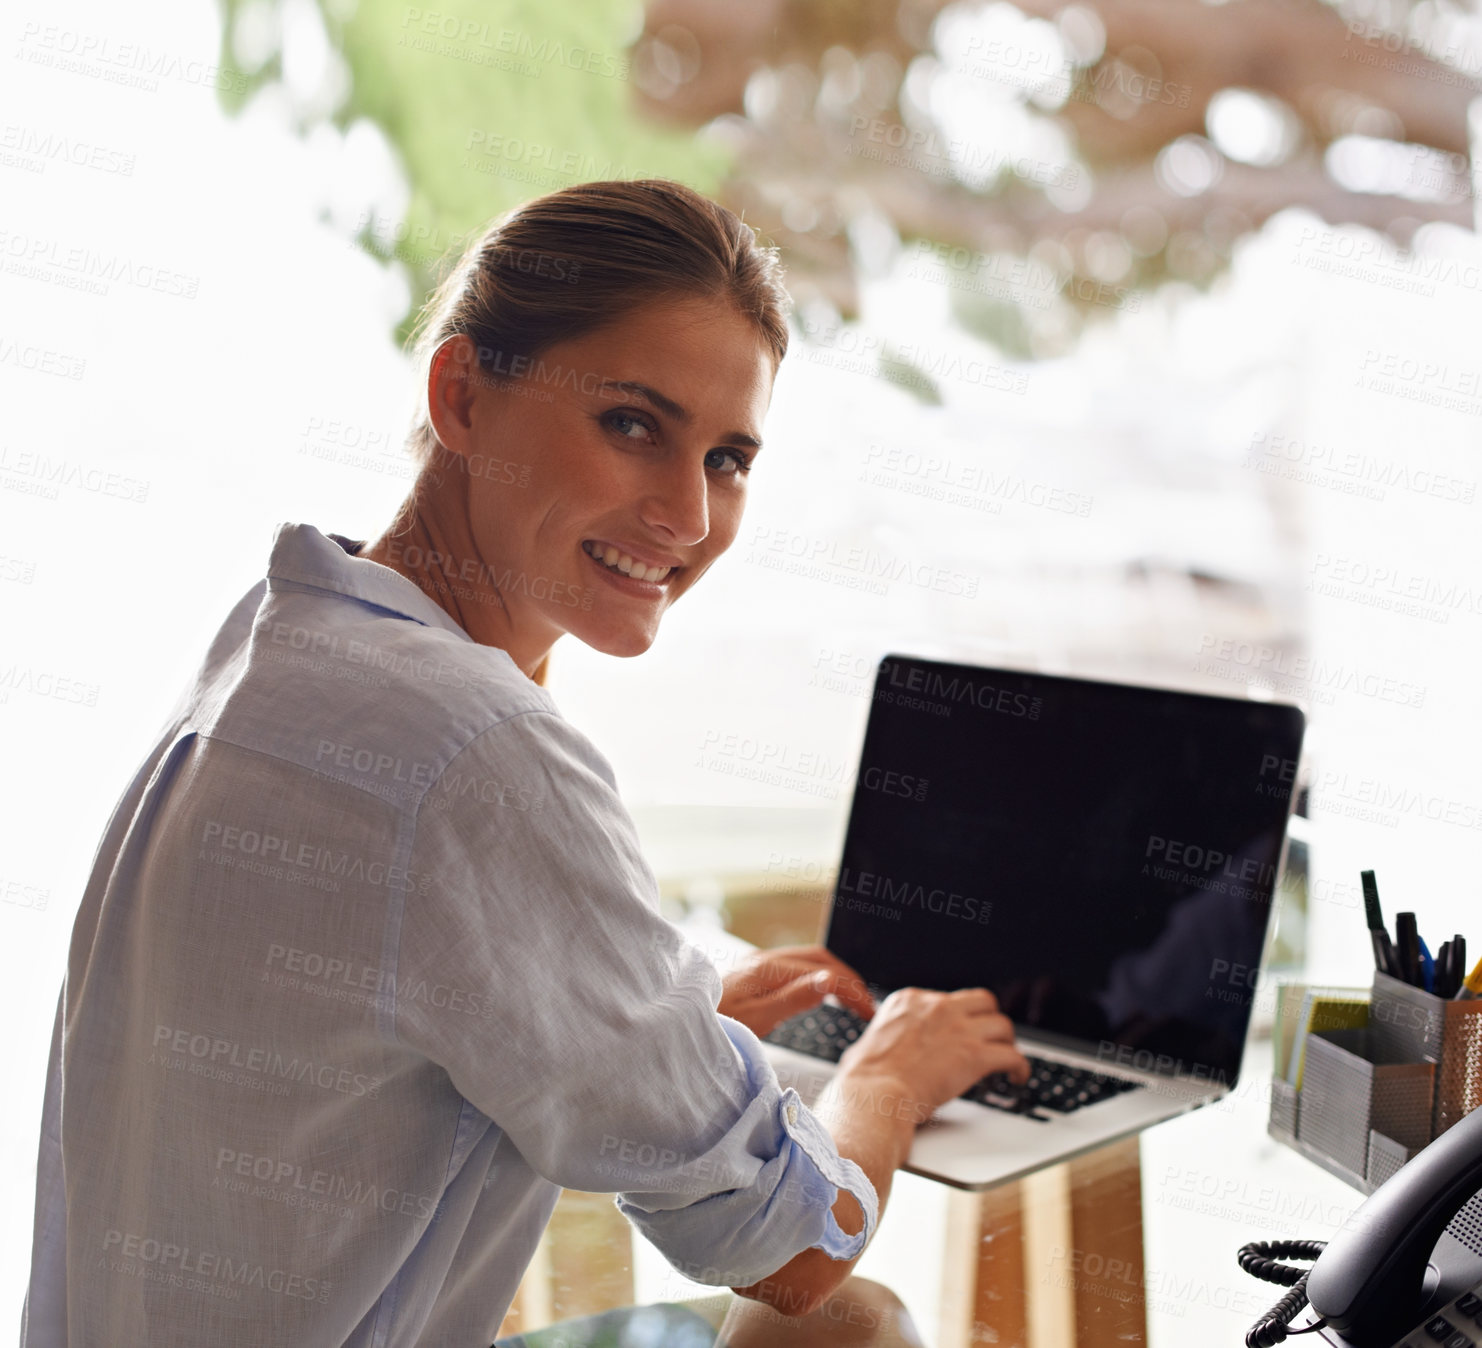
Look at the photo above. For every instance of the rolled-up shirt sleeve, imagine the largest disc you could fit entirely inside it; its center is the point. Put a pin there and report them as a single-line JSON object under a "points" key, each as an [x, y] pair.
{"points": [[585, 1027]]}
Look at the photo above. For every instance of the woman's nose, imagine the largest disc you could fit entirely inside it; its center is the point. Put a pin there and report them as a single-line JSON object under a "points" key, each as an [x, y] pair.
{"points": [[678, 504]]}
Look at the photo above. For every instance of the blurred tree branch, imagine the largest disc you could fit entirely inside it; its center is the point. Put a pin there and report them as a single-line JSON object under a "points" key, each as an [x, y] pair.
{"points": [[801, 172]]}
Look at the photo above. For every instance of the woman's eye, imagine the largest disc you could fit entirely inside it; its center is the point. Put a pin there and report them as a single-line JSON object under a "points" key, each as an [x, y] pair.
{"points": [[728, 461], [629, 425]]}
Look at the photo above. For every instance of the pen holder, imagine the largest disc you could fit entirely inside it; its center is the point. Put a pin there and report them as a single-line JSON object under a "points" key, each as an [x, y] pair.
{"points": [[1412, 1024], [1353, 1085]]}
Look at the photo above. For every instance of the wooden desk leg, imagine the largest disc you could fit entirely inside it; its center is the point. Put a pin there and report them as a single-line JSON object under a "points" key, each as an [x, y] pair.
{"points": [[1106, 1221], [1052, 1261], [982, 1299], [582, 1266], [531, 1308]]}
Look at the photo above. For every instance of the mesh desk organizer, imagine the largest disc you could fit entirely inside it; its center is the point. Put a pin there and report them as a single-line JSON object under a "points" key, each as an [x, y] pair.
{"points": [[1372, 1097]]}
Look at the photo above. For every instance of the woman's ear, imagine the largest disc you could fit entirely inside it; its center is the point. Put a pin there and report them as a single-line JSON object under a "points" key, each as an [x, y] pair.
{"points": [[451, 378]]}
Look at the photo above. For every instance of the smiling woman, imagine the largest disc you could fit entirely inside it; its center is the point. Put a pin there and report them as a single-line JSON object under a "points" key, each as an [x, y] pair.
{"points": [[598, 366], [370, 965]]}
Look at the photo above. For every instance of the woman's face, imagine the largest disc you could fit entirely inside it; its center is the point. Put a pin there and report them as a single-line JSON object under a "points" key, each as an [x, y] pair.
{"points": [[604, 482]]}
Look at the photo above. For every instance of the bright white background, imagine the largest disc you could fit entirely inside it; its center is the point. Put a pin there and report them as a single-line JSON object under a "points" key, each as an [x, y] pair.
{"points": [[237, 408]]}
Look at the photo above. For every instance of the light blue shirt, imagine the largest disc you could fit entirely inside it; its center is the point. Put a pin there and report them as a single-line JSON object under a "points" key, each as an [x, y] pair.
{"points": [[368, 966]]}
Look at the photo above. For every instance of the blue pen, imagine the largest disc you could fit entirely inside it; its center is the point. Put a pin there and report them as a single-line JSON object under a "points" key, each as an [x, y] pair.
{"points": [[1427, 967]]}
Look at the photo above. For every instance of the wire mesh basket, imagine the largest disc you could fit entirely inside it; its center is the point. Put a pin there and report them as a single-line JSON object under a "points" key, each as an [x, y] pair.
{"points": [[1352, 1086], [1410, 1023]]}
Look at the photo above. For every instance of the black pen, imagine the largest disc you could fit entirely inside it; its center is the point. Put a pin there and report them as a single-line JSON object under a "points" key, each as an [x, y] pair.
{"points": [[1407, 949], [1384, 952]]}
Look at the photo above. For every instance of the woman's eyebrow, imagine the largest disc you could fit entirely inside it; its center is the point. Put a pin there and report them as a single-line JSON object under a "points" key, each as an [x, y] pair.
{"points": [[671, 408]]}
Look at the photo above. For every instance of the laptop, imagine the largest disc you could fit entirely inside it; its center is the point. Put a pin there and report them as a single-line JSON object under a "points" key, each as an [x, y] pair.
{"points": [[1101, 856]]}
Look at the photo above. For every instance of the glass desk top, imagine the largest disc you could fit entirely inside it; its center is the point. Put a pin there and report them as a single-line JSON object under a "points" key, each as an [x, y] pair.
{"points": [[1133, 1243]]}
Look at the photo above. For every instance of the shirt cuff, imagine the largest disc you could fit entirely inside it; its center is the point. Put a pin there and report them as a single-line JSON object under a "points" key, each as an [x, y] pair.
{"points": [[833, 1172]]}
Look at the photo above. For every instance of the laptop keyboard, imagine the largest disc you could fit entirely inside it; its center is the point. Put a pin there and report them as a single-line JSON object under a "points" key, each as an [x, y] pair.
{"points": [[826, 1031]]}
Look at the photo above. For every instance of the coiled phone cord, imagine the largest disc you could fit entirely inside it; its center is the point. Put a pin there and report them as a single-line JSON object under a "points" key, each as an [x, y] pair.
{"points": [[1261, 1259]]}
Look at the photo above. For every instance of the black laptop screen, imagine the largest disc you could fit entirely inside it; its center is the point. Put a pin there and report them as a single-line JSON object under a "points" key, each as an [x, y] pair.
{"points": [[1102, 857]]}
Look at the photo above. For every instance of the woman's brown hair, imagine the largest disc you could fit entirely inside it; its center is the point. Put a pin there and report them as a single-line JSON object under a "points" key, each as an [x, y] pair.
{"points": [[565, 264]]}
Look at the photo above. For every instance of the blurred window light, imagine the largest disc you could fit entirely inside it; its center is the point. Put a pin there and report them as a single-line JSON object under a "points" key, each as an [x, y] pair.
{"points": [[1108, 258], [314, 73], [1367, 164], [778, 95], [1144, 229], [917, 89], [1189, 166], [1440, 175], [1251, 127], [873, 240], [256, 34], [1009, 54], [879, 80], [760, 97], [798, 214], [665, 60], [841, 84], [1082, 33]]}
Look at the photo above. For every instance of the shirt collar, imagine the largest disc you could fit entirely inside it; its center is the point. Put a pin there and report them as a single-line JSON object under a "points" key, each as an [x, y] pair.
{"points": [[304, 554]]}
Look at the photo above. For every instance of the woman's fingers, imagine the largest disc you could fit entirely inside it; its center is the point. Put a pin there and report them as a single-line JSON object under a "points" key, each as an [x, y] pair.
{"points": [[845, 984], [978, 1001], [1007, 1059], [850, 989]]}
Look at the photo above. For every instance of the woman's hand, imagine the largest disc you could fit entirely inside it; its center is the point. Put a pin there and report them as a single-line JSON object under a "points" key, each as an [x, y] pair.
{"points": [[770, 986]]}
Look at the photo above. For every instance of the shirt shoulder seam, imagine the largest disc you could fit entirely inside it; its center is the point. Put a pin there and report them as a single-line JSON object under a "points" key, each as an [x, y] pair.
{"points": [[415, 813]]}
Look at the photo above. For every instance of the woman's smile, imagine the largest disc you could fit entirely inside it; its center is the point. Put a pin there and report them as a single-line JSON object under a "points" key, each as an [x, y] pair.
{"points": [[644, 572]]}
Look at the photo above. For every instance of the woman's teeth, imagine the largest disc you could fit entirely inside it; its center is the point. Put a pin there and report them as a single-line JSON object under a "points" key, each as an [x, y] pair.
{"points": [[614, 560]]}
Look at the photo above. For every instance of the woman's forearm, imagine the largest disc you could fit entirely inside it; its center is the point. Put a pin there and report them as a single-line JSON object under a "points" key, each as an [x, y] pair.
{"points": [[872, 1121]]}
